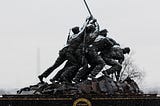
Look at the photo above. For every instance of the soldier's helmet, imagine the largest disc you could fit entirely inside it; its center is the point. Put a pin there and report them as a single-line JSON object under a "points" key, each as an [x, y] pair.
{"points": [[126, 50], [90, 28], [103, 32], [75, 30]]}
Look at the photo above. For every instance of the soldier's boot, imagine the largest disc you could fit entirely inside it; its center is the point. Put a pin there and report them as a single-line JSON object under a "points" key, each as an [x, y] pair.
{"points": [[45, 74], [41, 78]]}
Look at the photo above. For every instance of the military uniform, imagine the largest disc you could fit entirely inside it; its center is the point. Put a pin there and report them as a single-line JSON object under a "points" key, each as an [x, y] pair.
{"points": [[84, 51], [110, 56], [57, 77], [67, 53], [94, 45]]}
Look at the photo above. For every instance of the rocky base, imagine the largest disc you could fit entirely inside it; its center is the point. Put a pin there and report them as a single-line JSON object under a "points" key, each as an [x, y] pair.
{"points": [[103, 85]]}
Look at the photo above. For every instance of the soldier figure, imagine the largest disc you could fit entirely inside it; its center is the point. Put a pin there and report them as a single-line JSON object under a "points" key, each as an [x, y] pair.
{"points": [[88, 50], [92, 31], [70, 72], [67, 53], [57, 77], [93, 46], [110, 56]]}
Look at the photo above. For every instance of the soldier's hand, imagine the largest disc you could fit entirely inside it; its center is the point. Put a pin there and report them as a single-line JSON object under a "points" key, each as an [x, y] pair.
{"points": [[40, 78], [93, 21], [89, 18]]}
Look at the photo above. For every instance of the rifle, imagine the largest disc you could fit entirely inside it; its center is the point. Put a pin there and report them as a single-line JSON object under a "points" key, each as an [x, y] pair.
{"points": [[84, 38]]}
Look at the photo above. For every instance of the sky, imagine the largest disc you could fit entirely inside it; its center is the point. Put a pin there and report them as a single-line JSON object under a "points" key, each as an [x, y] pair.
{"points": [[29, 26]]}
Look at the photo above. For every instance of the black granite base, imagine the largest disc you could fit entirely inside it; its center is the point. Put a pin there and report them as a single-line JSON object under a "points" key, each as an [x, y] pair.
{"points": [[81, 100]]}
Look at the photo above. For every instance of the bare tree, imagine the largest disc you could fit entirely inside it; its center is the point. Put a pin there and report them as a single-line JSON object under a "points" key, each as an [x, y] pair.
{"points": [[130, 69]]}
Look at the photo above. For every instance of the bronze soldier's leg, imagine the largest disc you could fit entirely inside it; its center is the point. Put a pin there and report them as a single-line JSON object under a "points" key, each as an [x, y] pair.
{"points": [[116, 67], [69, 74], [81, 72], [83, 65], [95, 61], [97, 69], [99, 64], [57, 76], [58, 62]]}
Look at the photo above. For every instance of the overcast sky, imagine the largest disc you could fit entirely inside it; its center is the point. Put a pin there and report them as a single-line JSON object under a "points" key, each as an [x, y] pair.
{"points": [[26, 25]]}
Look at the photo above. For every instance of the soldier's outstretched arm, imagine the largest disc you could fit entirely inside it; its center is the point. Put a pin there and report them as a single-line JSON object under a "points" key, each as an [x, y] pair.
{"points": [[84, 26]]}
